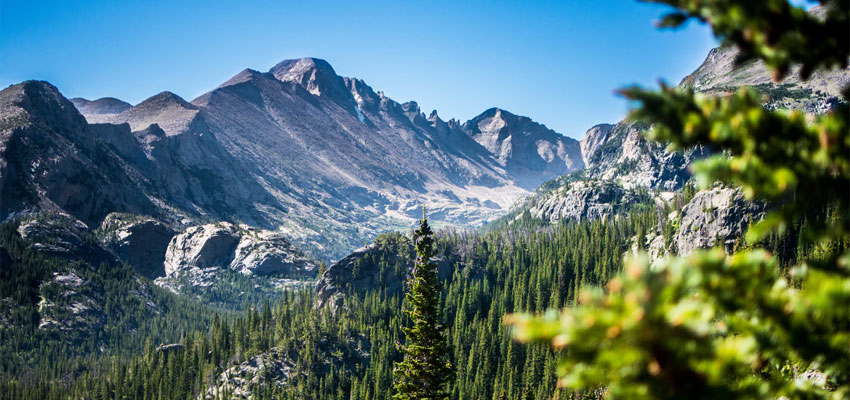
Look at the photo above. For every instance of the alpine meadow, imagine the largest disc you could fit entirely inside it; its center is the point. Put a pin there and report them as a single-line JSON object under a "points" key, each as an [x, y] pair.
{"points": [[297, 234]]}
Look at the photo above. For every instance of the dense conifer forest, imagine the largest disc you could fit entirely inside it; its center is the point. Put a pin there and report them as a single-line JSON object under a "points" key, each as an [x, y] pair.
{"points": [[349, 352]]}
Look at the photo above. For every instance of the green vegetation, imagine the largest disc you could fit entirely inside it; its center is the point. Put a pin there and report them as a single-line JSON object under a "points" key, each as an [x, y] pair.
{"points": [[349, 352], [120, 328], [425, 368], [771, 320], [713, 325]]}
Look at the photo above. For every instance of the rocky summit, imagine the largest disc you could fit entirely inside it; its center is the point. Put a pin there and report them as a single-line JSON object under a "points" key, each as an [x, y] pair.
{"points": [[324, 159]]}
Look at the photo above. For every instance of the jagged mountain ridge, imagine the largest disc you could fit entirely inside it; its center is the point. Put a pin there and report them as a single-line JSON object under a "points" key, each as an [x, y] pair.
{"points": [[324, 158]]}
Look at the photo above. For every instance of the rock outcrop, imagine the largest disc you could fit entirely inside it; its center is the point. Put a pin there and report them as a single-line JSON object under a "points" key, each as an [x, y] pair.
{"points": [[239, 381], [201, 247], [624, 156], [141, 242], [65, 237], [200, 252], [382, 265], [581, 199], [718, 216], [592, 139], [266, 253]]}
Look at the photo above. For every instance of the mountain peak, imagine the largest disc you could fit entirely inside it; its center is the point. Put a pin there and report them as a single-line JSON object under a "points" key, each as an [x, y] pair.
{"points": [[593, 138], [42, 99], [170, 111], [163, 99], [498, 116], [315, 75], [103, 105], [245, 75]]}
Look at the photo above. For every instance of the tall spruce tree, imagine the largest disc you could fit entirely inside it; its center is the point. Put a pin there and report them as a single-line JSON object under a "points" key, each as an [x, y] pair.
{"points": [[426, 368]]}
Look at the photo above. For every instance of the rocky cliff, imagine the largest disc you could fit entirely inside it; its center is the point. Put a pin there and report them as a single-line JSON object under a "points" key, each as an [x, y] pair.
{"points": [[139, 241], [719, 216], [619, 154]]}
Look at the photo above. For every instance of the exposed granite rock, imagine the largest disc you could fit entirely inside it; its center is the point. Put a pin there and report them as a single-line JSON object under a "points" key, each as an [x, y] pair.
{"points": [[238, 382], [199, 255], [593, 138], [75, 305], [63, 236], [716, 216], [264, 253], [201, 247], [241, 248], [168, 348], [581, 199], [626, 157], [141, 242]]}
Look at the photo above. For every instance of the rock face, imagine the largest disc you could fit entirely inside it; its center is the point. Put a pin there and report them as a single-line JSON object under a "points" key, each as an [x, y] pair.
{"points": [[581, 199], [717, 216], [593, 138], [228, 246], [265, 253], [201, 247], [625, 157], [139, 241], [526, 149], [260, 371], [52, 160], [361, 271]]}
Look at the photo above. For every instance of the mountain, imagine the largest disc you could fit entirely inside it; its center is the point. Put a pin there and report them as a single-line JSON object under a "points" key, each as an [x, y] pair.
{"points": [[322, 158], [523, 147], [102, 109], [621, 166]]}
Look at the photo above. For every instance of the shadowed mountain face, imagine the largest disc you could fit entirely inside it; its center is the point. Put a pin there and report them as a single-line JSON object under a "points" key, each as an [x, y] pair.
{"points": [[323, 158]]}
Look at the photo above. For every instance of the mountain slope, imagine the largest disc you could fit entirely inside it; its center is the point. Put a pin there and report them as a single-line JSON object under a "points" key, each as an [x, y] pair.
{"points": [[331, 162], [619, 155]]}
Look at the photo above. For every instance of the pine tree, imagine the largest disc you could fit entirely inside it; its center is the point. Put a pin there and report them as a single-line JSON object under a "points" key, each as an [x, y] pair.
{"points": [[426, 368]]}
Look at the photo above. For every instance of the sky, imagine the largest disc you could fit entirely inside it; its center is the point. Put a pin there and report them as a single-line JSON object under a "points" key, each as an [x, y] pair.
{"points": [[558, 62]]}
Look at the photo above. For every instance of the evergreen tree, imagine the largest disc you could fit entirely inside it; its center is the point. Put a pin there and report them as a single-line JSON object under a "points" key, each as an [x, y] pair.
{"points": [[714, 325], [426, 367]]}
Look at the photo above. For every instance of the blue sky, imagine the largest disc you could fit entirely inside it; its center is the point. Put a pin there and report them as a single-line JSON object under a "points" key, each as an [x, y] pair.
{"points": [[557, 62]]}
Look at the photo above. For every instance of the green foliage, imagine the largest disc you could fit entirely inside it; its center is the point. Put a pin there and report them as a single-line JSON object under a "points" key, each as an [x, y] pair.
{"points": [[739, 326], [426, 368]]}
